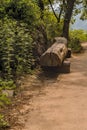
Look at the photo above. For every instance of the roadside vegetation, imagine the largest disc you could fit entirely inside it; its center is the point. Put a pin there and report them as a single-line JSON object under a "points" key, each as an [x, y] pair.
{"points": [[27, 28], [76, 38]]}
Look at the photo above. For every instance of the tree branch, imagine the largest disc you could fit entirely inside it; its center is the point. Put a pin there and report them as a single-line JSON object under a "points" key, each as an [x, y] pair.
{"points": [[53, 9], [61, 10]]}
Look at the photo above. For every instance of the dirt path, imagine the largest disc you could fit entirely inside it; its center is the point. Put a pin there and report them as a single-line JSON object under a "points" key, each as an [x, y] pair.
{"points": [[58, 102]]}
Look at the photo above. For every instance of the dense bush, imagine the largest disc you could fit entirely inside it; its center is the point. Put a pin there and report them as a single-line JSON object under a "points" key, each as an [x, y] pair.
{"points": [[76, 37], [79, 34], [18, 19], [15, 48], [23, 10], [3, 123], [53, 28], [20, 22], [75, 45]]}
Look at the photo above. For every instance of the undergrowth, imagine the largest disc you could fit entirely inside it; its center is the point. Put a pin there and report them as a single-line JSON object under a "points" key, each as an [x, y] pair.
{"points": [[75, 45], [3, 123]]}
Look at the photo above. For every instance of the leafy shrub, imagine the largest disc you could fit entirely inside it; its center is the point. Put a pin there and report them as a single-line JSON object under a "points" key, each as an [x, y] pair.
{"points": [[4, 100], [3, 123], [53, 28], [3, 4], [5, 84], [79, 34], [21, 19], [23, 10], [15, 48], [75, 45]]}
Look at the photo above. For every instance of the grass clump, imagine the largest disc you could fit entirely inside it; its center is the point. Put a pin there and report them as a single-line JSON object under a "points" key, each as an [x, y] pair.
{"points": [[4, 100], [3, 123], [5, 84]]}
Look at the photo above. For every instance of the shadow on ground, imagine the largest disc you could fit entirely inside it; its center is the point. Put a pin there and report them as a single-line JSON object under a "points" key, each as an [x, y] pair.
{"points": [[48, 73]]}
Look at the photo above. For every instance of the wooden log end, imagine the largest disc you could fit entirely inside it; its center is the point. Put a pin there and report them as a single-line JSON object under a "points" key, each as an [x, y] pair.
{"points": [[55, 55], [50, 60]]}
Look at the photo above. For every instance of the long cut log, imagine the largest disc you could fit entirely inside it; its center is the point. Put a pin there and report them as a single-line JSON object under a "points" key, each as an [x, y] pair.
{"points": [[55, 55]]}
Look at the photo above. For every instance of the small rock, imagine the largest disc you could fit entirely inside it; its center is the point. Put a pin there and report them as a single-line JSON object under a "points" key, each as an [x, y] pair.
{"points": [[8, 93]]}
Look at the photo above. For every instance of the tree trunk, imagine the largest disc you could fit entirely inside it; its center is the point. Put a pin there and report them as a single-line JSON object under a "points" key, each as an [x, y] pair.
{"points": [[61, 10], [41, 5], [67, 18]]}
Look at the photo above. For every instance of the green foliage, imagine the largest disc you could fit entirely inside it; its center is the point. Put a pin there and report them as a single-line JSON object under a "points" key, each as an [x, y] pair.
{"points": [[4, 100], [53, 28], [19, 21], [76, 37], [75, 45], [19, 26], [23, 10], [79, 34], [15, 48], [84, 10], [3, 123], [5, 84], [3, 4]]}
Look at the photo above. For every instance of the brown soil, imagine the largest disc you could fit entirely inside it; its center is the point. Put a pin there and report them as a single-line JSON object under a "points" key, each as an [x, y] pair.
{"points": [[50, 101]]}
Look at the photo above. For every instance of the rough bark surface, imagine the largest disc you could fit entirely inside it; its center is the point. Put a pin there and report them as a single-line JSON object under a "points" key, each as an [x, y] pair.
{"points": [[67, 18], [56, 54]]}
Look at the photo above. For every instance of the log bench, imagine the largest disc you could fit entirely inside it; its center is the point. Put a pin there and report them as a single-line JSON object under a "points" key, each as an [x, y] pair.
{"points": [[56, 54]]}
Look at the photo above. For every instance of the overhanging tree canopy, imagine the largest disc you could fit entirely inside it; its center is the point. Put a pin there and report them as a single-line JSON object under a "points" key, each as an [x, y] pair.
{"points": [[67, 9]]}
